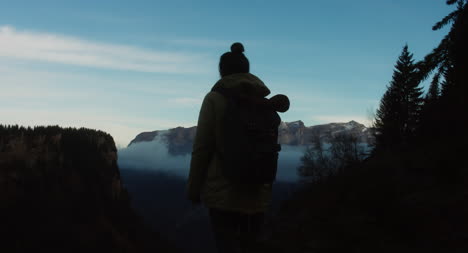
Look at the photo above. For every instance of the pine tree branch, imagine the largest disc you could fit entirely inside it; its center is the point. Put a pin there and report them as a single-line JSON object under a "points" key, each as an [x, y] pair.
{"points": [[450, 2], [434, 59], [447, 20]]}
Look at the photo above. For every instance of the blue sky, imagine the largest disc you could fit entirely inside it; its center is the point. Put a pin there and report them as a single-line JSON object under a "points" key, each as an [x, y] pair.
{"points": [[131, 66]]}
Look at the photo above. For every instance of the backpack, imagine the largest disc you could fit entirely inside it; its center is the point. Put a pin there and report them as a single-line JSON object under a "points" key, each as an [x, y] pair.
{"points": [[249, 152]]}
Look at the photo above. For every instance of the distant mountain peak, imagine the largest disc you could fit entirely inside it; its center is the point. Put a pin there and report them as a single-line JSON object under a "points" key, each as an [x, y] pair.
{"points": [[293, 124], [297, 122], [355, 123]]}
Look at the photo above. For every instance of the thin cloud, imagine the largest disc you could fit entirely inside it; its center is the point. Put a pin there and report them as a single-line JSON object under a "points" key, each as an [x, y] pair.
{"points": [[33, 46], [30, 77], [185, 101], [201, 42], [35, 92]]}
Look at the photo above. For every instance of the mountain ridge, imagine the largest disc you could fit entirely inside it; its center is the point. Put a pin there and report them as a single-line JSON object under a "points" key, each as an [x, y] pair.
{"points": [[179, 140]]}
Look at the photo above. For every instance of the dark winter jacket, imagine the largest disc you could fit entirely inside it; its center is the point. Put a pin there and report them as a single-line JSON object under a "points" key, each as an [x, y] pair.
{"points": [[205, 177]]}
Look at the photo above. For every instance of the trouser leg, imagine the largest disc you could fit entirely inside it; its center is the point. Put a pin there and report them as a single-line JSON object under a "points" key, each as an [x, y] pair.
{"points": [[235, 232], [251, 228], [225, 230]]}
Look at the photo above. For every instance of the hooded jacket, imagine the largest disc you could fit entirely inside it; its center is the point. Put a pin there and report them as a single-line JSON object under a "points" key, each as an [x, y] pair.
{"points": [[205, 178]]}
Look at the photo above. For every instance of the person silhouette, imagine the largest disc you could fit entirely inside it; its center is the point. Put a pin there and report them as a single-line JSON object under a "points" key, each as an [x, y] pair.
{"points": [[236, 213]]}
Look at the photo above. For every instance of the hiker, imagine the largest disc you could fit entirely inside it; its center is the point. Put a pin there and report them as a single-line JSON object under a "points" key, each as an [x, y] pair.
{"points": [[236, 206]]}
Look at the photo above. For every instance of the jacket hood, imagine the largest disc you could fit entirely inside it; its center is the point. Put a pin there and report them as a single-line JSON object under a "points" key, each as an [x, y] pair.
{"points": [[251, 88], [244, 83]]}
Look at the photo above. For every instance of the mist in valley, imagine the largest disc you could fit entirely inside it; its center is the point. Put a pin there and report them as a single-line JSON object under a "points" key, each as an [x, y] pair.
{"points": [[154, 156], [156, 182]]}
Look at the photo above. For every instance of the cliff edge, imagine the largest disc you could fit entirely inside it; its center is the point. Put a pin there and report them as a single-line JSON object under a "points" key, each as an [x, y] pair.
{"points": [[60, 190]]}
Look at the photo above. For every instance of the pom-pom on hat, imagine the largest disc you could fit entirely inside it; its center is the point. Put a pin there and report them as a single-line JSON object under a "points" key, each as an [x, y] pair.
{"points": [[234, 62], [237, 48]]}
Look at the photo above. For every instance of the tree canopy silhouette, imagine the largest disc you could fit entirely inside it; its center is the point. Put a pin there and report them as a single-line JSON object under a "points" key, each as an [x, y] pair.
{"points": [[446, 101], [398, 115]]}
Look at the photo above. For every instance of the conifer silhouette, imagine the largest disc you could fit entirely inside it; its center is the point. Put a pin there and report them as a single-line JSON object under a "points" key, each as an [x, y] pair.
{"points": [[446, 101], [398, 115]]}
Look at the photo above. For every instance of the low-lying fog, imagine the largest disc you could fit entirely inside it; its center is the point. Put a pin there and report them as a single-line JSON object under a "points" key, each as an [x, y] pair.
{"points": [[154, 155]]}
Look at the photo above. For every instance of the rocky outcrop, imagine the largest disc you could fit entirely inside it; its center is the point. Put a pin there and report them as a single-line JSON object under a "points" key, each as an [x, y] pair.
{"points": [[291, 133], [179, 140], [70, 155], [145, 136], [295, 133], [60, 190]]}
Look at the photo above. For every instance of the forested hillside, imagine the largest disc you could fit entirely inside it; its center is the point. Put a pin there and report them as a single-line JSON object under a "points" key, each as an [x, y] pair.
{"points": [[60, 191], [411, 194]]}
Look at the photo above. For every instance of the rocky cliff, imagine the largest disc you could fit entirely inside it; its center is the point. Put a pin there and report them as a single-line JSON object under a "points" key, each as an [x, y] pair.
{"points": [[60, 190], [179, 140], [296, 133]]}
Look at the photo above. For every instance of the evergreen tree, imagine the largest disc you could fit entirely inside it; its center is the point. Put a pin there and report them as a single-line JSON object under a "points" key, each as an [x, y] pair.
{"points": [[451, 51], [398, 115], [449, 61], [387, 118], [430, 113], [434, 91]]}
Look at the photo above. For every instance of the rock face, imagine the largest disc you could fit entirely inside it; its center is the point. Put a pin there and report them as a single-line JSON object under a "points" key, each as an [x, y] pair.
{"points": [[291, 133], [61, 191], [295, 133], [179, 140], [70, 155]]}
